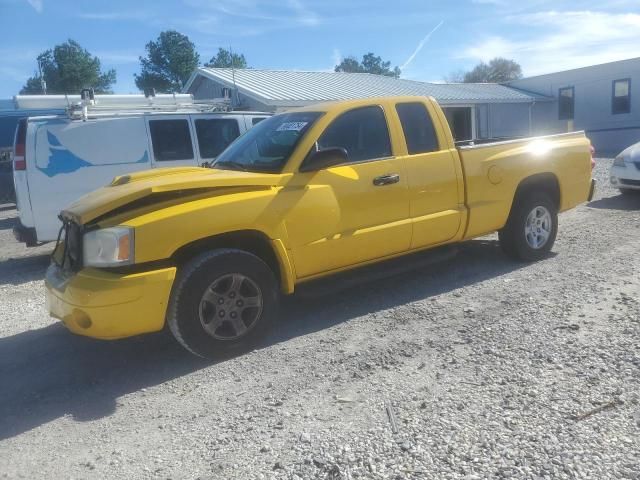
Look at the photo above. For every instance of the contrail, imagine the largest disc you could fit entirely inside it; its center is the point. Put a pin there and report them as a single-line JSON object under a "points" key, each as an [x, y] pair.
{"points": [[420, 45]]}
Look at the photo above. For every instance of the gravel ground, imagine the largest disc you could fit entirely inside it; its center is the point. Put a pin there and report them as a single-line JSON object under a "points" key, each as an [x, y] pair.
{"points": [[478, 367]]}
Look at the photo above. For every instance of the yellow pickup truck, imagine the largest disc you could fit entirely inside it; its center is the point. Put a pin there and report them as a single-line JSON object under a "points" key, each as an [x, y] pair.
{"points": [[305, 194]]}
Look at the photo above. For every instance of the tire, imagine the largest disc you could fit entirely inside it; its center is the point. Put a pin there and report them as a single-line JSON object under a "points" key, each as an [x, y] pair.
{"points": [[216, 295], [629, 191], [535, 245]]}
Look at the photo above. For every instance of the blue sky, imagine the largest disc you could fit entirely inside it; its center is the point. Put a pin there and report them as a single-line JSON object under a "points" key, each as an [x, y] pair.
{"points": [[428, 39]]}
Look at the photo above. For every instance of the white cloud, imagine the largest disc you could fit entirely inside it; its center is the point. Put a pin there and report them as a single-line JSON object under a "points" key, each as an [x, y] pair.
{"points": [[250, 17], [36, 4], [303, 14], [420, 45], [563, 40]]}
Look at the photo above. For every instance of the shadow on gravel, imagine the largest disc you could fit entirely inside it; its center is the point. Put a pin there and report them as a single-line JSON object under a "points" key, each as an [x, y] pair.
{"points": [[8, 223], [7, 206], [48, 373], [476, 261], [619, 202], [19, 270]]}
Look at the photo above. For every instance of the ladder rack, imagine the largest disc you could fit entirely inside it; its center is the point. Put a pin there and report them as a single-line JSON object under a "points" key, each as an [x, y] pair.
{"points": [[84, 106], [81, 111]]}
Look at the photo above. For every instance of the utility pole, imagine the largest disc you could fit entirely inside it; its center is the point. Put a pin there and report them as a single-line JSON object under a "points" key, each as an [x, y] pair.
{"points": [[233, 76], [43, 83]]}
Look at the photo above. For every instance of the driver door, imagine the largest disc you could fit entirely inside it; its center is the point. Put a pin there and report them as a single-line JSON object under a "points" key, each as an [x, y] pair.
{"points": [[356, 211]]}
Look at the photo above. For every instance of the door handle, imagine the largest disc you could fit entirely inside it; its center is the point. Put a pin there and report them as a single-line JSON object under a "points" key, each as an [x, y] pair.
{"points": [[386, 179]]}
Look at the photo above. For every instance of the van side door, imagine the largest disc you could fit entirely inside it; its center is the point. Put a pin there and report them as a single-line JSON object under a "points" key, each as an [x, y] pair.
{"points": [[172, 141], [434, 173], [214, 133]]}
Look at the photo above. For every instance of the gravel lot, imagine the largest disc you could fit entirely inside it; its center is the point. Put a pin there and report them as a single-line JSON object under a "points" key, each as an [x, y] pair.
{"points": [[478, 367]]}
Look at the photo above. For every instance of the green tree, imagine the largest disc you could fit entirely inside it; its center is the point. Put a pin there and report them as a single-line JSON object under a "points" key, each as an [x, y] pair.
{"points": [[370, 64], [169, 63], [68, 68], [496, 71], [349, 64], [225, 59]]}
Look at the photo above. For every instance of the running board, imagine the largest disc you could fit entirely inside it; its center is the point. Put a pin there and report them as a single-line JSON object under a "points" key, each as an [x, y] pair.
{"points": [[376, 271]]}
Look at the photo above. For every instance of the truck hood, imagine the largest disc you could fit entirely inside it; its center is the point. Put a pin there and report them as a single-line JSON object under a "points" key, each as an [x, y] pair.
{"points": [[127, 189]]}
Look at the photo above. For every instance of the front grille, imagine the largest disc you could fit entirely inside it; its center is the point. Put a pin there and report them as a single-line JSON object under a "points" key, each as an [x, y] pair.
{"points": [[626, 181], [68, 251]]}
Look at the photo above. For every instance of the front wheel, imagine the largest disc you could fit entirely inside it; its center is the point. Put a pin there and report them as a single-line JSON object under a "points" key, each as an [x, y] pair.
{"points": [[222, 302], [531, 229]]}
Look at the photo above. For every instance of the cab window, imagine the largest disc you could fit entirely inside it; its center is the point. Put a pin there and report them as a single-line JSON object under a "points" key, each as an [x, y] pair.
{"points": [[417, 127], [362, 132], [171, 140], [215, 134]]}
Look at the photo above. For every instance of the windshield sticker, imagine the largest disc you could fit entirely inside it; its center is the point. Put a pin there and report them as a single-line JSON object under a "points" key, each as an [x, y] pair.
{"points": [[294, 126]]}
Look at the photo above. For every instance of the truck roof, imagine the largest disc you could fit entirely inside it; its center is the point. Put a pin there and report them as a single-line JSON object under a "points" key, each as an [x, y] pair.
{"points": [[358, 102]]}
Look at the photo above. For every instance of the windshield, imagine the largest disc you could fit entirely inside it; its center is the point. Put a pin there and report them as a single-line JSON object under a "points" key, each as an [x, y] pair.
{"points": [[268, 145]]}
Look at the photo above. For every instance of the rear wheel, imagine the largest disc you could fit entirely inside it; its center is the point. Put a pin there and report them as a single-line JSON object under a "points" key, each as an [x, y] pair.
{"points": [[222, 302], [531, 229], [629, 191]]}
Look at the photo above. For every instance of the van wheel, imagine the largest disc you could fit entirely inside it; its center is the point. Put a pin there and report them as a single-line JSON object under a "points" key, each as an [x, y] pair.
{"points": [[222, 302], [531, 229], [629, 191]]}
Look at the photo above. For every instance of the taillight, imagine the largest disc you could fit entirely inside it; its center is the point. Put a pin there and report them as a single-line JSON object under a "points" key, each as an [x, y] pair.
{"points": [[593, 160], [19, 161], [19, 164]]}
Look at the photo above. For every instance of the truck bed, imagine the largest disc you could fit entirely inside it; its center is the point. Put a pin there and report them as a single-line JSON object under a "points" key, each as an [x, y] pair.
{"points": [[493, 170]]}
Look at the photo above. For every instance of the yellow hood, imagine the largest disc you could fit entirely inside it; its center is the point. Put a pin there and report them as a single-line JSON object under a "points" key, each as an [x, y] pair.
{"points": [[129, 188]]}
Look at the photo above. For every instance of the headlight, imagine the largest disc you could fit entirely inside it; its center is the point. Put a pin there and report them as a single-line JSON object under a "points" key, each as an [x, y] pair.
{"points": [[108, 247], [619, 161]]}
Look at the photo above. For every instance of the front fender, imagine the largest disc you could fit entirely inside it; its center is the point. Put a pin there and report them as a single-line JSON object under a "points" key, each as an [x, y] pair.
{"points": [[160, 233]]}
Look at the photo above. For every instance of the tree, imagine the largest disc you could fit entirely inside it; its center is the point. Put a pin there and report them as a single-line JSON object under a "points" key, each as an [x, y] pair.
{"points": [[370, 64], [349, 64], [496, 71], [169, 63], [225, 59], [68, 68], [457, 76]]}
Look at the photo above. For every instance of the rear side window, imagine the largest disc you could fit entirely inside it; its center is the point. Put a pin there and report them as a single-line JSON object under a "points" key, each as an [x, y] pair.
{"points": [[171, 140], [256, 120], [417, 127], [362, 132], [214, 135]]}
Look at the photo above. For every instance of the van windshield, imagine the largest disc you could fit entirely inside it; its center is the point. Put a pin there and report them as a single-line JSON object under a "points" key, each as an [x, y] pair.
{"points": [[268, 145]]}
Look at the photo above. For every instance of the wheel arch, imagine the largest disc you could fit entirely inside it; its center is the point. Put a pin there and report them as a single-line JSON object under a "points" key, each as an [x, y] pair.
{"points": [[271, 251], [540, 182]]}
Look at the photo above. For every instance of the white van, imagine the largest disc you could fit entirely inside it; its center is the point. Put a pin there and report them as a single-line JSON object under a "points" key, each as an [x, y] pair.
{"points": [[58, 159]]}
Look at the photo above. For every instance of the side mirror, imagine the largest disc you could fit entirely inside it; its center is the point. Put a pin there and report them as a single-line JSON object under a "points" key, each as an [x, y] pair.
{"points": [[325, 158]]}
